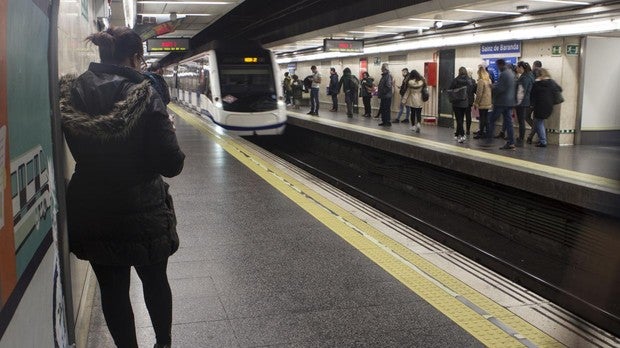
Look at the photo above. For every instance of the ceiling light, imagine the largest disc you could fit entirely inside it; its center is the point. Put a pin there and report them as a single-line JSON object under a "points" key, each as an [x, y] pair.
{"points": [[522, 8], [185, 2], [564, 2], [178, 14], [432, 20], [401, 27], [493, 12], [371, 32]]}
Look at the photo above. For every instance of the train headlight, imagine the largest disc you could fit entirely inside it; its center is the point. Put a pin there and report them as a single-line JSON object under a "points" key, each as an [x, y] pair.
{"points": [[281, 103], [218, 105]]}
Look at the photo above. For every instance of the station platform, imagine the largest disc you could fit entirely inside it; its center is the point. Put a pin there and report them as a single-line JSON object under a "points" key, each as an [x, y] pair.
{"points": [[583, 176], [272, 256]]}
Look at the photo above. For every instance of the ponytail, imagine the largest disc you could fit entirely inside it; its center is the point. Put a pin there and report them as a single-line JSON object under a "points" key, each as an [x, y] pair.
{"points": [[116, 44]]}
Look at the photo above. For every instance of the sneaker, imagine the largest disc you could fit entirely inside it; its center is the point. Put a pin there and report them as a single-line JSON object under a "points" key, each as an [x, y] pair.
{"points": [[507, 147], [310, 113], [461, 140], [541, 145], [412, 127], [500, 136], [385, 124], [417, 127], [396, 121], [405, 121]]}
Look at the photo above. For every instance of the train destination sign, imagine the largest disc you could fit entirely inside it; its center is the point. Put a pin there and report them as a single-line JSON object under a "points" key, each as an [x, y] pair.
{"points": [[351, 46], [167, 45]]}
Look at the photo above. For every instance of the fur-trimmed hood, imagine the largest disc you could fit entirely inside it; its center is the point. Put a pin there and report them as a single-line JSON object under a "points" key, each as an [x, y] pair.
{"points": [[104, 103]]}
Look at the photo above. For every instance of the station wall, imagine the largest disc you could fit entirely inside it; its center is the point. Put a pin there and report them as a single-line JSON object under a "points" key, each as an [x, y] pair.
{"points": [[565, 69], [32, 307]]}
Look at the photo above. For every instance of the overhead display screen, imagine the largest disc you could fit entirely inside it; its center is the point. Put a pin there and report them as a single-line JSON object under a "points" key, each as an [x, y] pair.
{"points": [[167, 45], [334, 45]]}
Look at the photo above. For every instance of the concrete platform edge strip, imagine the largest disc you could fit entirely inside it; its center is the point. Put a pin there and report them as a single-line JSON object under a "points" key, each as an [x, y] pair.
{"points": [[490, 323]]}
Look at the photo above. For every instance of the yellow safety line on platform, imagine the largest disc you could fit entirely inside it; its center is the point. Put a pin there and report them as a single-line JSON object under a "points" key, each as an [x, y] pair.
{"points": [[490, 323], [543, 169]]}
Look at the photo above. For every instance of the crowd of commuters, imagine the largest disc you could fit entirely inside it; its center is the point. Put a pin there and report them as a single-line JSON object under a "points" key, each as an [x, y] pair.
{"points": [[528, 92]]}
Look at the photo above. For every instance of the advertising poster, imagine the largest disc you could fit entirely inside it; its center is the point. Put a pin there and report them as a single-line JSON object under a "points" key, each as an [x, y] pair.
{"points": [[8, 274], [25, 148]]}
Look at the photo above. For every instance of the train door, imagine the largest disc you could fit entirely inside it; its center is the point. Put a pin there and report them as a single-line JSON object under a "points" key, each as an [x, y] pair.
{"points": [[446, 75], [37, 174], [21, 173]]}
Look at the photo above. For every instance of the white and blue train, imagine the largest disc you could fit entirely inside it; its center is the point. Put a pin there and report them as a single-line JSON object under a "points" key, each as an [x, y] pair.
{"points": [[237, 86]]}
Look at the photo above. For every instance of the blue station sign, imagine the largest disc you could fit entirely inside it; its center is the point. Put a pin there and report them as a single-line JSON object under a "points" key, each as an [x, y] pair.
{"points": [[501, 49]]}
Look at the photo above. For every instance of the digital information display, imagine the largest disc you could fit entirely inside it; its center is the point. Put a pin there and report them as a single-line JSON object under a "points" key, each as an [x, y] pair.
{"points": [[167, 45], [334, 45]]}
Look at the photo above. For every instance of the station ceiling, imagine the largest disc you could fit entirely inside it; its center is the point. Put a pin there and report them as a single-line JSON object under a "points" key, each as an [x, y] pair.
{"points": [[292, 26]]}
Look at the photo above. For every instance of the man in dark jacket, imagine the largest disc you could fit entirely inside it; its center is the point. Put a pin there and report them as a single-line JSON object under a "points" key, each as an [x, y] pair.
{"points": [[503, 102], [385, 88], [333, 88]]}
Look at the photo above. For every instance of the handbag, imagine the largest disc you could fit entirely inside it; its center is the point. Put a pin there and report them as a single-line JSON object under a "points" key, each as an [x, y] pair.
{"points": [[425, 94]]}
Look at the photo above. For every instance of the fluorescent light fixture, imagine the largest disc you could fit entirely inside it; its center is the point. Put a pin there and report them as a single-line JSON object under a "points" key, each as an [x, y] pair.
{"points": [[185, 2], [564, 2], [485, 11], [451, 40], [371, 32], [178, 14], [129, 10], [433, 20], [401, 27]]}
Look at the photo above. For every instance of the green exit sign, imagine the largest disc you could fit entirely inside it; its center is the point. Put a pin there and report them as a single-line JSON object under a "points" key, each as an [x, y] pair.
{"points": [[572, 50], [556, 50]]}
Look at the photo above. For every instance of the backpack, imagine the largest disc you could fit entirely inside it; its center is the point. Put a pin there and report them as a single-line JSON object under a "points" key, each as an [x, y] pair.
{"points": [[457, 95], [160, 86], [557, 93], [308, 83], [355, 83], [425, 94]]}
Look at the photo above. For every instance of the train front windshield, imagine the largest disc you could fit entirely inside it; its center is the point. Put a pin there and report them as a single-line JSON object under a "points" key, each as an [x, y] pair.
{"points": [[247, 87]]}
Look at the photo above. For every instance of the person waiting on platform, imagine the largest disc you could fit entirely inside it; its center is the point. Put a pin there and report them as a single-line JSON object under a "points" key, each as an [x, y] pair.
{"points": [[333, 88], [471, 96], [459, 92], [297, 88], [349, 85], [314, 91], [286, 87], [503, 101], [119, 211], [412, 99], [483, 101], [386, 88], [524, 89], [402, 90], [368, 85], [543, 98]]}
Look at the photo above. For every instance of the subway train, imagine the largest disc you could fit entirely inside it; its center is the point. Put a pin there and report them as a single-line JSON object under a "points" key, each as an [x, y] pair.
{"points": [[236, 85]]}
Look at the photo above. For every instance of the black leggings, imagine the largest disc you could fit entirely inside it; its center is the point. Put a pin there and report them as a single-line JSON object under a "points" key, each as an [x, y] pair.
{"points": [[114, 286]]}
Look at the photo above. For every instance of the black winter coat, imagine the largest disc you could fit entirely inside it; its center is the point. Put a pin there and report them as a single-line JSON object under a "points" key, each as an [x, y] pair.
{"points": [[118, 130], [460, 81], [542, 97]]}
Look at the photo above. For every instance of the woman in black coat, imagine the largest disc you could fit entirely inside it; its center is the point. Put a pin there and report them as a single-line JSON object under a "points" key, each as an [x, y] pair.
{"points": [[542, 100], [119, 211], [460, 105]]}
